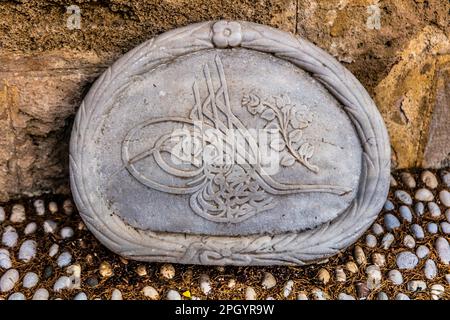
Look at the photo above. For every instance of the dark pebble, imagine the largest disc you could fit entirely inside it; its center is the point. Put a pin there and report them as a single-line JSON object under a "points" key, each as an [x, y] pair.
{"points": [[92, 282], [48, 271]]}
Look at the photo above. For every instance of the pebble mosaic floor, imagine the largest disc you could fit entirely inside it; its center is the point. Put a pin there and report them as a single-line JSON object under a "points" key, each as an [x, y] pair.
{"points": [[46, 252]]}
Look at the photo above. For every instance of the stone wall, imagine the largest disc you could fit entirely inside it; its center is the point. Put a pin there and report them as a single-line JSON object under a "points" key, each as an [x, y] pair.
{"points": [[399, 50]]}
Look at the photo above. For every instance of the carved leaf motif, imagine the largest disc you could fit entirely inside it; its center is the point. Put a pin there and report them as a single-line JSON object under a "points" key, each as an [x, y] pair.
{"points": [[273, 125], [306, 150], [268, 115], [277, 144], [295, 135], [287, 160], [282, 101]]}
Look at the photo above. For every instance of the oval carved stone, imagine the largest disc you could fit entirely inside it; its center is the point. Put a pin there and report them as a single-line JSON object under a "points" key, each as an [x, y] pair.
{"points": [[228, 143]]}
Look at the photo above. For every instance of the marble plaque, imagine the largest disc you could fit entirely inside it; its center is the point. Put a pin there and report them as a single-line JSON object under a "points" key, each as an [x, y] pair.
{"points": [[228, 143]]}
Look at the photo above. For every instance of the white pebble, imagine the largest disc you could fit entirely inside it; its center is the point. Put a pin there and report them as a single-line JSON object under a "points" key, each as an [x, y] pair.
{"points": [[68, 207], [406, 260], [447, 215], [250, 293], [151, 293], [432, 227], [53, 207], [340, 275], [391, 222], [417, 231], [66, 232], [64, 259], [173, 295], [302, 296], [27, 250], [81, 296], [30, 280], [388, 205], [53, 250], [379, 259], [30, 228], [408, 180], [434, 209], [17, 214], [371, 241], [404, 197], [2, 214], [205, 284], [416, 285], [360, 256], [424, 194], [344, 296], [62, 283], [116, 295], [373, 277], [318, 294], [5, 260], [39, 206], [445, 227], [437, 291], [50, 226], [382, 296], [17, 296], [287, 289], [447, 278], [377, 229], [10, 237], [9, 280], [445, 175], [269, 281], [396, 277], [41, 294], [387, 240], [419, 208], [422, 251], [429, 179], [167, 271], [443, 249], [393, 182], [444, 196], [430, 269], [409, 241], [401, 296], [405, 213], [74, 272]]}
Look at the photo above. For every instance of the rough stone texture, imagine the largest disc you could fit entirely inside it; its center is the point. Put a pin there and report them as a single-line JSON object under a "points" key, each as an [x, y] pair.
{"points": [[38, 97], [55, 65], [413, 90]]}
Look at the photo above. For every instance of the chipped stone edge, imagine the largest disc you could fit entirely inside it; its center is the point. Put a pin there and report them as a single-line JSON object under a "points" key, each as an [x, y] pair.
{"points": [[283, 249]]}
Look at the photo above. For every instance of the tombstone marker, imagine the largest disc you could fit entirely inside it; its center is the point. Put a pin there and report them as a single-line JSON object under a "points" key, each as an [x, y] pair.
{"points": [[228, 143]]}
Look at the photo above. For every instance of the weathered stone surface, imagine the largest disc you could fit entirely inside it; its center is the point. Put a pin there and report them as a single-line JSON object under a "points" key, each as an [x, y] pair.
{"points": [[171, 159], [437, 143], [38, 96], [413, 90]]}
